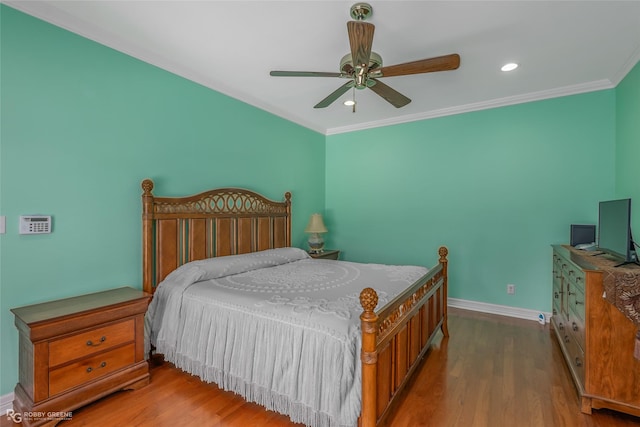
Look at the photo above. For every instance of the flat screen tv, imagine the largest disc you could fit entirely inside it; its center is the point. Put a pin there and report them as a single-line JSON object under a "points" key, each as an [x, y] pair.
{"points": [[614, 229]]}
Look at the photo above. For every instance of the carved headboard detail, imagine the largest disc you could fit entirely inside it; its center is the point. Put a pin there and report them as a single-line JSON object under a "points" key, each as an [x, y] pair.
{"points": [[224, 221]]}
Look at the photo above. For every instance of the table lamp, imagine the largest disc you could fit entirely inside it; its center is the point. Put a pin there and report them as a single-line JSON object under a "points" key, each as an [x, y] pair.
{"points": [[315, 228]]}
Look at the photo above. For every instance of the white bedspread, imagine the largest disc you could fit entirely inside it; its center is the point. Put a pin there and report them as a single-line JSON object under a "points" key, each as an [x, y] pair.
{"points": [[277, 327]]}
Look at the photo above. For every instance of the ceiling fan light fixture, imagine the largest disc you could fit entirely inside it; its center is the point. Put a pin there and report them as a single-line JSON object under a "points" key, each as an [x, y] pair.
{"points": [[509, 66], [349, 102]]}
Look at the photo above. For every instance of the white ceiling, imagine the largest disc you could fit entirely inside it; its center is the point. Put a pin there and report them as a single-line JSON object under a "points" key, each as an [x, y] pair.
{"points": [[563, 47]]}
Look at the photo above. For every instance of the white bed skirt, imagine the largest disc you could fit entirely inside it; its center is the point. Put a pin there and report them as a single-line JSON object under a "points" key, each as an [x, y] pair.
{"points": [[312, 377]]}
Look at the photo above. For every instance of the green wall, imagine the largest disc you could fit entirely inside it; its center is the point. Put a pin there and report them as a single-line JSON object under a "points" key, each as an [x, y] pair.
{"points": [[82, 125], [496, 186], [628, 144]]}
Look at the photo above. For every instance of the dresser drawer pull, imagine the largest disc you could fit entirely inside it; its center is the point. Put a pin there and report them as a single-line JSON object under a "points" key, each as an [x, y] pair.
{"points": [[556, 295], [579, 302], [555, 311], [578, 362], [102, 365], [574, 326], [91, 344], [561, 326], [567, 339]]}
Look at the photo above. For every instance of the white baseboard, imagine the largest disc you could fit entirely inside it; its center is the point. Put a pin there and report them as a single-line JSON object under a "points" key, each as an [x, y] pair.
{"points": [[6, 403], [503, 310]]}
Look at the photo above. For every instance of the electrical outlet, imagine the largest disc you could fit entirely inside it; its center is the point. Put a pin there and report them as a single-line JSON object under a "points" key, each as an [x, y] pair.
{"points": [[511, 289], [3, 224]]}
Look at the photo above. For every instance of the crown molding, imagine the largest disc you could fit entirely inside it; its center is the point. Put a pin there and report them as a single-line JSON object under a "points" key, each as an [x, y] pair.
{"points": [[485, 105]]}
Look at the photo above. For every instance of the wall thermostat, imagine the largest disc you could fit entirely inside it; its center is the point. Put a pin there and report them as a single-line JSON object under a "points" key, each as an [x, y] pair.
{"points": [[35, 224]]}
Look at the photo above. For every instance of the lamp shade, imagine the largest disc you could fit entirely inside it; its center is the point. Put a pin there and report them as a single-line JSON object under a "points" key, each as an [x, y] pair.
{"points": [[316, 224]]}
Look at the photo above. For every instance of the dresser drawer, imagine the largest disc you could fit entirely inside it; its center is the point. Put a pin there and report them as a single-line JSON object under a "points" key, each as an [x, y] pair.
{"points": [[557, 308], [576, 324], [87, 343], [90, 368], [576, 277], [575, 356], [576, 302]]}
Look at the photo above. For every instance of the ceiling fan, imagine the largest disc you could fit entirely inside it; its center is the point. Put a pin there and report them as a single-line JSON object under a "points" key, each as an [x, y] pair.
{"points": [[363, 68]]}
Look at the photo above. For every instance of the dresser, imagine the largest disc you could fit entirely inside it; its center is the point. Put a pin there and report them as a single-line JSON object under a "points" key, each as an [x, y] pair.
{"points": [[76, 350], [596, 338]]}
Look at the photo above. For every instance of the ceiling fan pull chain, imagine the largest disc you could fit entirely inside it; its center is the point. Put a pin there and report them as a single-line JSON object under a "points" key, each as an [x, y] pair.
{"points": [[354, 100]]}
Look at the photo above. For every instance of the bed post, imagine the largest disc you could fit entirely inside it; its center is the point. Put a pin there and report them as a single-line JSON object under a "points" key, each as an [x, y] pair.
{"points": [[443, 252], [147, 236], [369, 358], [287, 200]]}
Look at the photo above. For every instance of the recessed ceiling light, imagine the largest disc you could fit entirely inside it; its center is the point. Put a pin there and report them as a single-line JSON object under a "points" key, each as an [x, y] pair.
{"points": [[509, 67]]}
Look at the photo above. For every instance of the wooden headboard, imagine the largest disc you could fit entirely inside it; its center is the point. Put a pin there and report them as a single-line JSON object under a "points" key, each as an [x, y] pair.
{"points": [[224, 221]]}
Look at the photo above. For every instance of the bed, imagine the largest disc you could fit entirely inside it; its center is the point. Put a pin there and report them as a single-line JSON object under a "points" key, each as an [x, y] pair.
{"points": [[328, 343]]}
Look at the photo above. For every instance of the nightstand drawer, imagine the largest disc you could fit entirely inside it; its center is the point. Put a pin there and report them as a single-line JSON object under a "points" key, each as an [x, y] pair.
{"points": [[84, 344], [85, 370]]}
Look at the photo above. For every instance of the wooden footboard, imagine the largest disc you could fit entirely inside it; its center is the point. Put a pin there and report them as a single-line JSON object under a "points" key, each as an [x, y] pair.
{"points": [[396, 337]]}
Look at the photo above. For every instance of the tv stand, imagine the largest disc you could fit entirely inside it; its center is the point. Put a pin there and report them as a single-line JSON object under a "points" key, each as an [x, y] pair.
{"points": [[596, 336], [627, 263], [633, 261]]}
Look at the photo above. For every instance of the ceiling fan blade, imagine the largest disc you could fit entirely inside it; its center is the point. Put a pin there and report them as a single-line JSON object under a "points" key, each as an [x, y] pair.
{"points": [[392, 96], [334, 95], [440, 63], [304, 74], [360, 40]]}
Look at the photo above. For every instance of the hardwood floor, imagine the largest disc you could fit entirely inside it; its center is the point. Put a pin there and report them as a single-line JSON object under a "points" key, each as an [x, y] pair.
{"points": [[493, 371]]}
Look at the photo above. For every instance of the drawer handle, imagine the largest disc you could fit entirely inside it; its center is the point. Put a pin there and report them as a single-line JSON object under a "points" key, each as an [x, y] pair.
{"points": [[556, 295], [579, 302], [578, 362], [91, 344], [574, 326], [555, 311], [567, 339], [102, 365], [561, 326]]}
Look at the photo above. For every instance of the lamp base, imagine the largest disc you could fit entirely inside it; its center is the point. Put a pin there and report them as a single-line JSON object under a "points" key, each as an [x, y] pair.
{"points": [[316, 243]]}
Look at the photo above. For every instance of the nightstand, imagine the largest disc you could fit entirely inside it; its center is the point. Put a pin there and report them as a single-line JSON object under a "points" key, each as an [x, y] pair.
{"points": [[327, 254], [76, 350]]}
